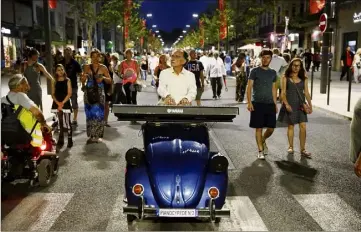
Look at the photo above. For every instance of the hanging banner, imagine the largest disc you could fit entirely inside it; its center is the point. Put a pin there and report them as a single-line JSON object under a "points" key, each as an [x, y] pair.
{"points": [[223, 27], [316, 6], [52, 4], [128, 4], [201, 30]]}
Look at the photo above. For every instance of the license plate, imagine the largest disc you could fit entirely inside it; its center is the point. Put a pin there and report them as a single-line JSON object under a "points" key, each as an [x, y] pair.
{"points": [[177, 213]]}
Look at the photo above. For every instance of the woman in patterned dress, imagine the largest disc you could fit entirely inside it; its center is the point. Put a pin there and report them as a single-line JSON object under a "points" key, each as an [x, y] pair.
{"points": [[294, 92], [93, 78]]}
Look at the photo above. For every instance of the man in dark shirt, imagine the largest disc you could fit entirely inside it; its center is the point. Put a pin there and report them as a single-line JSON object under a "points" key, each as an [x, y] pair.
{"points": [[72, 69], [196, 67], [346, 62], [263, 105]]}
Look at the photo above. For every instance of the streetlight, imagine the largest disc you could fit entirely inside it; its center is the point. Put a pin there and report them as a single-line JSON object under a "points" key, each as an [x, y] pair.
{"points": [[154, 26], [184, 32], [156, 31], [195, 15], [188, 25], [149, 15]]}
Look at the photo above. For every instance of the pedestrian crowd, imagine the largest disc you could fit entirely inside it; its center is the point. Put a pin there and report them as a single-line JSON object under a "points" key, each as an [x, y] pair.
{"points": [[107, 79]]}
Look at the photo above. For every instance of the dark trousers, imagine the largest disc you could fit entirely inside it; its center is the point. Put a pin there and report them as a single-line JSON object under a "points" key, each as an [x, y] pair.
{"points": [[241, 83], [118, 94], [345, 70], [130, 93], [216, 83], [317, 65]]}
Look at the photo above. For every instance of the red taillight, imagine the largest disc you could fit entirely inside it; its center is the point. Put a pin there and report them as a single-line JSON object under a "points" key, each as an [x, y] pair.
{"points": [[43, 146], [213, 192]]}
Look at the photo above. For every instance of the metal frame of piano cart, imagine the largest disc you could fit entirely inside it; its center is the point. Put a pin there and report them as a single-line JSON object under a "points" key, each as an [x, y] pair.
{"points": [[175, 174]]}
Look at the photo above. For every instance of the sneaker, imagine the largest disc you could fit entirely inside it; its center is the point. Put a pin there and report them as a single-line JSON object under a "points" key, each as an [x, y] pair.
{"points": [[260, 155], [265, 148]]}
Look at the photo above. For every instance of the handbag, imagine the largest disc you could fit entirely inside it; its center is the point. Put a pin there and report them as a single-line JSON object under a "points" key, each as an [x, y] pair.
{"points": [[92, 91], [305, 107]]}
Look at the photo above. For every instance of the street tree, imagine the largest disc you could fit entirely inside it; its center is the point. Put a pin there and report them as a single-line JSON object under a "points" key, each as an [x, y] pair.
{"points": [[85, 12]]}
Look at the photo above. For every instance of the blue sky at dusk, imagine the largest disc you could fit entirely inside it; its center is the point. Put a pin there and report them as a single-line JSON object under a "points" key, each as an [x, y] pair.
{"points": [[171, 14]]}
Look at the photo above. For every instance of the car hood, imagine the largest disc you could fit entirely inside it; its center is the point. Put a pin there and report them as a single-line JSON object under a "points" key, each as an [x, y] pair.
{"points": [[177, 171]]}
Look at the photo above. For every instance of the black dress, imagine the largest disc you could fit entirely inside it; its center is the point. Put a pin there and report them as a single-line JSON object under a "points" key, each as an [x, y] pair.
{"points": [[61, 91]]}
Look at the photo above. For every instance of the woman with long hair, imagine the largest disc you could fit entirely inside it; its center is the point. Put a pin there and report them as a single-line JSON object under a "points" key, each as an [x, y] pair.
{"points": [[294, 92], [61, 93], [161, 66]]}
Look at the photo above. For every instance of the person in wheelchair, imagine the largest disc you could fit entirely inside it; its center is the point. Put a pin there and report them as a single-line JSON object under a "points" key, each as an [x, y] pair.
{"points": [[31, 118]]}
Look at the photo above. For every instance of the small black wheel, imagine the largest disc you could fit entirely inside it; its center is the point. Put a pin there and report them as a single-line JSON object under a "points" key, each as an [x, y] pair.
{"points": [[131, 218], [55, 163], [45, 172]]}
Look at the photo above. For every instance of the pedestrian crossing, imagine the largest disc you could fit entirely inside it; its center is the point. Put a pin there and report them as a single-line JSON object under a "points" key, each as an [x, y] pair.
{"points": [[39, 212]]}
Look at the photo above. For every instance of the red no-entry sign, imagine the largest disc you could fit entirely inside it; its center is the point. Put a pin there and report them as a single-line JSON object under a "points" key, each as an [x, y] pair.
{"points": [[323, 23]]}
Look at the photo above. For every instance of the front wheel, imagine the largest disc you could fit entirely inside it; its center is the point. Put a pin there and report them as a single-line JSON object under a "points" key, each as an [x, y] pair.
{"points": [[45, 171]]}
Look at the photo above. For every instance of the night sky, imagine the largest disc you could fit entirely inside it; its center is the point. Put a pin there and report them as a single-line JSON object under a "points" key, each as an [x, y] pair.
{"points": [[171, 14]]}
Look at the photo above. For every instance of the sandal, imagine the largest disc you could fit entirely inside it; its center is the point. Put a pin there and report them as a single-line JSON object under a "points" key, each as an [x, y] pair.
{"points": [[306, 154], [290, 150]]}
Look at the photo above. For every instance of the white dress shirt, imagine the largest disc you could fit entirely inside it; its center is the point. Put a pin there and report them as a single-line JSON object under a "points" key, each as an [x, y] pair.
{"points": [[115, 67], [215, 68], [177, 86]]}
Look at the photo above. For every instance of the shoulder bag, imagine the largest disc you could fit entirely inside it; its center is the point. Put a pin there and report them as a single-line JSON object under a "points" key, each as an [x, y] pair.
{"points": [[304, 106]]}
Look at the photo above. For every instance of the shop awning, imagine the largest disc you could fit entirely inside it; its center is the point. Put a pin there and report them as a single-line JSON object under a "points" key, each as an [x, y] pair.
{"points": [[39, 35]]}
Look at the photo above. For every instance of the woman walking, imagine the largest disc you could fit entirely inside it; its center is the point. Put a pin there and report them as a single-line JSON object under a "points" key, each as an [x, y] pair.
{"points": [[294, 110], [61, 93], [357, 66], [93, 78], [129, 71], [161, 66]]}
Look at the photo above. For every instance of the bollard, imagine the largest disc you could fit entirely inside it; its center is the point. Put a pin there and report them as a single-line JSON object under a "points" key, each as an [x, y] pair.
{"points": [[312, 73], [328, 83], [349, 74]]}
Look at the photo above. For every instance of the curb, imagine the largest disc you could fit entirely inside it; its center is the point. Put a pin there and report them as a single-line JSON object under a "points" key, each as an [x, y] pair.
{"points": [[332, 112]]}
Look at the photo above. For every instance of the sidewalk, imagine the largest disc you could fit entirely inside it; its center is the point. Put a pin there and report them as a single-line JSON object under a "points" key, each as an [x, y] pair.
{"points": [[47, 100], [338, 95]]}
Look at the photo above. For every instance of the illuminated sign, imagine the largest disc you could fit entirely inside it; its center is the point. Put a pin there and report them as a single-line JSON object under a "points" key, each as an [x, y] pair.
{"points": [[357, 18], [5, 30]]}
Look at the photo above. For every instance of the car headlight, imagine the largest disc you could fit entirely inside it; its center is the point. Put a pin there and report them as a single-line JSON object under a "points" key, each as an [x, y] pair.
{"points": [[134, 156], [218, 163]]}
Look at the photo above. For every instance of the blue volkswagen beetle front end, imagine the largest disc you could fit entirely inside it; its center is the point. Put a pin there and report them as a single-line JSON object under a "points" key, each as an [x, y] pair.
{"points": [[176, 175]]}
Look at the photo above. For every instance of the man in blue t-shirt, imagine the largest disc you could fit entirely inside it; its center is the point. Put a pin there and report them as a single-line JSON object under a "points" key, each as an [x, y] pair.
{"points": [[196, 67], [262, 103]]}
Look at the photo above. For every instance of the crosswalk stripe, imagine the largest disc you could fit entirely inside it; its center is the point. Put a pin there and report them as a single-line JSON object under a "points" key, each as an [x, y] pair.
{"points": [[244, 216], [330, 211], [37, 212]]}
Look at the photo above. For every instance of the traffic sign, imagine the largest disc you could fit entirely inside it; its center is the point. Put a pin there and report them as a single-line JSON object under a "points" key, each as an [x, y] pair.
{"points": [[323, 23]]}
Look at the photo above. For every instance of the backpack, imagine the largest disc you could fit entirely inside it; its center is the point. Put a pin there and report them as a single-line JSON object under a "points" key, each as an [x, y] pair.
{"points": [[12, 132]]}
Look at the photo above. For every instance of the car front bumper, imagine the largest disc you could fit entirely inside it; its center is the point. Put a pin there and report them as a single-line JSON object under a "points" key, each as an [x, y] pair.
{"points": [[149, 211]]}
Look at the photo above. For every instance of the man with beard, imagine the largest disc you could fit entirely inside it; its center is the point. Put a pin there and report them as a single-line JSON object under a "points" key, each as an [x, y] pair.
{"points": [[177, 86], [72, 69], [262, 103]]}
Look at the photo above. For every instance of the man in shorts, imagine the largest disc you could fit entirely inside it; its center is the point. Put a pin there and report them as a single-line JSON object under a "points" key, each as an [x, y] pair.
{"points": [[196, 67], [262, 102]]}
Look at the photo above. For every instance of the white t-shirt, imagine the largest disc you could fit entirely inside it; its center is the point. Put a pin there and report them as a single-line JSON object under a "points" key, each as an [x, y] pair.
{"points": [[116, 78], [18, 98], [178, 86], [277, 63]]}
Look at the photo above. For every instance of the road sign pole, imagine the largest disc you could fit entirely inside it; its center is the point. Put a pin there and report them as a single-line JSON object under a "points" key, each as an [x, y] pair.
{"points": [[325, 46]]}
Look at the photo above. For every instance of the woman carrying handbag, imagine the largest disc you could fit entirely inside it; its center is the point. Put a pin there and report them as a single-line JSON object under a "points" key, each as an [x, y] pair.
{"points": [[294, 109]]}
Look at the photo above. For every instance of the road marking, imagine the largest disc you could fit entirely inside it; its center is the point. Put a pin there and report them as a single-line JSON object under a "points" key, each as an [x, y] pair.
{"points": [[37, 212], [221, 148], [244, 216], [330, 211]]}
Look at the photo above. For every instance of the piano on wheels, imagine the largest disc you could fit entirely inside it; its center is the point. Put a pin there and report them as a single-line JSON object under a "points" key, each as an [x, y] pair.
{"points": [[175, 173], [188, 114]]}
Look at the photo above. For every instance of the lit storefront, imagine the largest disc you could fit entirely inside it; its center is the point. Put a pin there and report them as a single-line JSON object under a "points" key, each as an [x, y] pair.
{"points": [[12, 47], [349, 33]]}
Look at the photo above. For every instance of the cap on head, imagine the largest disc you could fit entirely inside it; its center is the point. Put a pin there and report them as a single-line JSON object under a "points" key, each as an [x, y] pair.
{"points": [[115, 55], [15, 81]]}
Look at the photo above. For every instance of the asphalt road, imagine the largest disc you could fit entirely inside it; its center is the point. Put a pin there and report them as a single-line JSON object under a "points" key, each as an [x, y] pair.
{"points": [[281, 193]]}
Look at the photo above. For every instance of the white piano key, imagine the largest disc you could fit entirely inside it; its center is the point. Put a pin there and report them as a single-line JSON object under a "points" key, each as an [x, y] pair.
{"points": [[330, 211], [37, 212]]}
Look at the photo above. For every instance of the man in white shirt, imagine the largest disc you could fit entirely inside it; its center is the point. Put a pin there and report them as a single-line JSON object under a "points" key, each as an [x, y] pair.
{"points": [[204, 59], [153, 61], [278, 63], [215, 71], [177, 86]]}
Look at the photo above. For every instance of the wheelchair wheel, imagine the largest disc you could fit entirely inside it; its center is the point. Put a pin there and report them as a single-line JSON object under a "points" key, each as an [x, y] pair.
{"points": [[45, 172]]}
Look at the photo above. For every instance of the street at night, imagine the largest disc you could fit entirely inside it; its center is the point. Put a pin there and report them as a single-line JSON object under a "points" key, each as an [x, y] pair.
{"points": [[178, 115], [284, 192]]}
